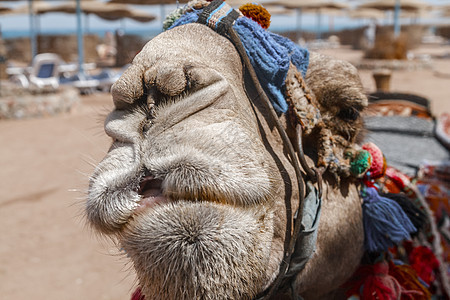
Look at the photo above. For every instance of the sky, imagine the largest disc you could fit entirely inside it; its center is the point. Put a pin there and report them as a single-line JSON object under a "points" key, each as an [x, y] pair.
{"points": [[60, 22]]}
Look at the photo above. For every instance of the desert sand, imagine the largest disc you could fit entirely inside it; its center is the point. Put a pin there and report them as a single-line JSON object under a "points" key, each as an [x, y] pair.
{"points": [[46, 249]]}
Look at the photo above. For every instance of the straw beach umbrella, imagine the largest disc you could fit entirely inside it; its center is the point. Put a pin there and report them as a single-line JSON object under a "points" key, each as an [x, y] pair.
{"points": [[397, 6], [408, 5], [32, 9], [162, 4], [149, 2], [443, 10], [317, 6], [272, 6], [78, 7], [102, 10], [28, 9], [4, 9], [366, 13], [107, 11]]}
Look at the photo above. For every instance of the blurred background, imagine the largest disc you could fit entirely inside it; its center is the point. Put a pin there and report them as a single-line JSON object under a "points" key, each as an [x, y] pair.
{"points": [[59, 59]]}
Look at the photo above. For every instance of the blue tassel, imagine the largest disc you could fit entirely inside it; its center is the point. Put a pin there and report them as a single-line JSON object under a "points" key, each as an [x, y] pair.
{"points": [[385, 223]]}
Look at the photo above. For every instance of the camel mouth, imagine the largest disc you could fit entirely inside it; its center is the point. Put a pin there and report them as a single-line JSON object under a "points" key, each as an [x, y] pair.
{"points": [[150, 191]]}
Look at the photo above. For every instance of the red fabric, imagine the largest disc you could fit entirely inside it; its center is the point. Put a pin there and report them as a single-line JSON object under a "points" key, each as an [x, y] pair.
{"points": [[137, 295], [424, 262], [398, 178], [434, 182], [411, 286], [374, 282]]}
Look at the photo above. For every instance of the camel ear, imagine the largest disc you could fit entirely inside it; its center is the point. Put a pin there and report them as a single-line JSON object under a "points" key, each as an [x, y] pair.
{"points": [[129, 87]]}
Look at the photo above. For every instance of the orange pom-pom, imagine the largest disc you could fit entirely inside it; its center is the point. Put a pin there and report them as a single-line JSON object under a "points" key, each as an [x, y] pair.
{"points": [[257, 13]]}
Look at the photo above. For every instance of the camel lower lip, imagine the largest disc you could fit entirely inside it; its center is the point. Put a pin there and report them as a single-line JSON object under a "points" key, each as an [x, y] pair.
{"points": [[150, 202]]}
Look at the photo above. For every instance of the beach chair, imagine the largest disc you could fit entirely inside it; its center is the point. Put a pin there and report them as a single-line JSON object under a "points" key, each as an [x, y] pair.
{"points": [[44, 72]]}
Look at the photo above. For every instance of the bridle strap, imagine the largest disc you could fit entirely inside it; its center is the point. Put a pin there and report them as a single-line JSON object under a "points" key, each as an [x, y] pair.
{"points": [[225, 28], [313, 173], [290, 239]]}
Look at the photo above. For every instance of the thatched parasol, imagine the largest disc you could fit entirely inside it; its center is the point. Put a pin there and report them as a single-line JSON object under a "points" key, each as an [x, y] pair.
{"points": [[149, 2], [32, 9], [108, 11], [408, 5], [272, 7], [397, 6], [101, 9], [4, 9], [366, 13], [316, 6], [444, 10], [28, 9], [162, 4]]}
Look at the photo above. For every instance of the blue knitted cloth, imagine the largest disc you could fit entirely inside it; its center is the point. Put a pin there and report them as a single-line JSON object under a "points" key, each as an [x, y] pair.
{"points": [[270, 55]]}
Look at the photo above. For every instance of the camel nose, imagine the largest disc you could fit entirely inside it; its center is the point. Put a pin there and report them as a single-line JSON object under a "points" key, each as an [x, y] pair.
{"points": [[169, 79]]}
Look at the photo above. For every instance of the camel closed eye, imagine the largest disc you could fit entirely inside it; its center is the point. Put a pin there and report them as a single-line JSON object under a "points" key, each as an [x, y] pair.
{"points": [[349, 113], [146, 124]]}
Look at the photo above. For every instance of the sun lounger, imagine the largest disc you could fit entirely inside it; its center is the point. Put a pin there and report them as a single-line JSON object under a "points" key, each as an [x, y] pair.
{"points": [[42, 75], [44, 72]]}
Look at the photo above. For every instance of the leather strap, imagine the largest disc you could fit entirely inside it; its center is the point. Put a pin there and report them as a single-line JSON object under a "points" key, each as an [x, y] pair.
{"points": [[220, 18]]}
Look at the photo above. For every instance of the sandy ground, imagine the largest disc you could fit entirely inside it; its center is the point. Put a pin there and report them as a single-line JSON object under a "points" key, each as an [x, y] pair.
{"points": [[46, 250]]}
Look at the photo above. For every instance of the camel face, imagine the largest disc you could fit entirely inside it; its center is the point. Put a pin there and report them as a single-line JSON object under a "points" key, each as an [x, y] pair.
{"points": [[196, 182], [187, 185]]}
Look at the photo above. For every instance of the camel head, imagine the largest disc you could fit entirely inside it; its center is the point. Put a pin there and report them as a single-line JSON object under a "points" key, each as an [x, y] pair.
{"points": [[197, 184]]}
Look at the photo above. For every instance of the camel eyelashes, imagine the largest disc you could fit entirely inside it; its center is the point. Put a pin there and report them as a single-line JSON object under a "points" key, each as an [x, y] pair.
{"points": [[349, 113], [149, 116], [146, 124], [189, 82]]}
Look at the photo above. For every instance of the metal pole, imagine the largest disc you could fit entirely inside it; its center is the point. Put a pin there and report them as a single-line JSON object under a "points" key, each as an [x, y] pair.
{"points": [[298, 24], [80, 39], [162, 8], [397, 18], [32, 30], [319, 24], [86, 24]]}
